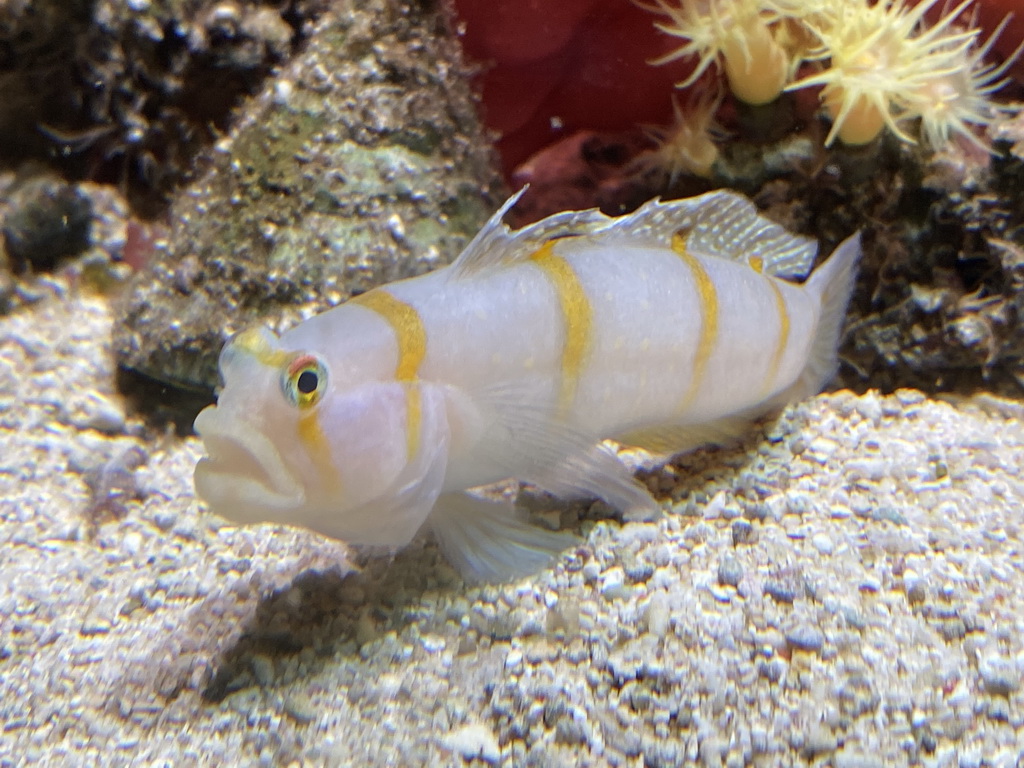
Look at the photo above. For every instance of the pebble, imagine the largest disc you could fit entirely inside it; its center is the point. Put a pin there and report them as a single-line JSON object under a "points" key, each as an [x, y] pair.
{"points": [[821, 449], [474, 741], [780, 591], [730, 571], [915, 587], [95, 626], [262, 669], [851, 757], [637, 571], [805, 637], [818, 741], [713, 509], [104, 415], [300, 707], [591, 571], [613, 583], [742, 533], [822, 543], [657, 614], [165, 519], [1000, 676], [840, 512], [514, 658]]}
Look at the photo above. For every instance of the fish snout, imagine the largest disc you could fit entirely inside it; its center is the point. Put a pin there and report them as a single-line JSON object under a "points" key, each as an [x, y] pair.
{"points": [[244, 476]]}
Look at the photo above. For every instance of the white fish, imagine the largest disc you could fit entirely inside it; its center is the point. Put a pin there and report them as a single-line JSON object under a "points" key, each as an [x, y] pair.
{"points": [[662, 329]]}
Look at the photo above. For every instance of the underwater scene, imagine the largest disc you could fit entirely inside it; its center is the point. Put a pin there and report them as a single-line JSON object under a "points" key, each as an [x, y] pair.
{"points": [[512, 383]]}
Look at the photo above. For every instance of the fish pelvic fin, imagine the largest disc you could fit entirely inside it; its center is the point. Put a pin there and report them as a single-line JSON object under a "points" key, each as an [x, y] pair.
{"points": [[487, 541]]}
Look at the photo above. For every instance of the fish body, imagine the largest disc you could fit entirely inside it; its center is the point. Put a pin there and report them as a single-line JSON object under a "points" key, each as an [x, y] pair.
{"points": [[664, 328]]}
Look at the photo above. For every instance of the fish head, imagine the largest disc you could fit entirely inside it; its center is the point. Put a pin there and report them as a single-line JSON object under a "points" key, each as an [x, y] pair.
{"points": [[293, 439]]}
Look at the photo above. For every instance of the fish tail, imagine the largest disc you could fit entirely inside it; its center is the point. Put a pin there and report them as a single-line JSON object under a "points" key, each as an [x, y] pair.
{"points": [[832, 284]]}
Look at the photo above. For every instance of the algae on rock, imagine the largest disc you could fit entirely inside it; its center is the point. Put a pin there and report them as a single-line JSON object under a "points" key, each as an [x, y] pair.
{"points": [[362, 162]]}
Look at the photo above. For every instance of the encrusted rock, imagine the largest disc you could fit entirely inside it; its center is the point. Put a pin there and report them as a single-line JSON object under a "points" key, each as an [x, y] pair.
{"points": [[361, 163]]}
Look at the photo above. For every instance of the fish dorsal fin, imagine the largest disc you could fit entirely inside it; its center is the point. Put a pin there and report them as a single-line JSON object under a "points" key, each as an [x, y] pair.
{"points": [[724, 224], [496, 245]]}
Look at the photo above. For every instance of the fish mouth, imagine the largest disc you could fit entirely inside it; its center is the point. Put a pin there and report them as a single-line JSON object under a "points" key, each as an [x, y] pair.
{"points": [[243, 477]]}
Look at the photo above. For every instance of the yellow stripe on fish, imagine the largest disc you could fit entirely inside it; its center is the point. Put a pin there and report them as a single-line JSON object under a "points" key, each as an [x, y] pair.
{"points": [[312, 436], [708, 298], [254, 343], [411, 338], [783, 339], [577, 319]]}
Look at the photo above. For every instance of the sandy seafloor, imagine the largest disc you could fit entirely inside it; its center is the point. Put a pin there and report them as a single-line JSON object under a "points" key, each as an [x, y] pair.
{"points": [[844, 589]]}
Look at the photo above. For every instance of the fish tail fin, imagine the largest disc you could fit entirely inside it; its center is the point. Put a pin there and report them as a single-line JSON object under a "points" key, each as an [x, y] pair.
{"points": [[832, 283]]}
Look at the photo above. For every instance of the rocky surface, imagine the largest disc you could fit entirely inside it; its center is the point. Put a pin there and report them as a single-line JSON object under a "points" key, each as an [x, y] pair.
{"points": [[361, 162], [127, 92], [844, 588]]}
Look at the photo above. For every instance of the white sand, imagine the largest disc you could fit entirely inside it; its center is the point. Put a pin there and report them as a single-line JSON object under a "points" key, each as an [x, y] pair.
{"points": [[844, 589]]}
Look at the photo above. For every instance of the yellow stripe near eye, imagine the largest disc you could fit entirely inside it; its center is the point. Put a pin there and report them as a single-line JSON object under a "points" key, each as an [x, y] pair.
{"points": [[708, 298], [319, 450], [577, 319], [254, 343], [411, 337]]}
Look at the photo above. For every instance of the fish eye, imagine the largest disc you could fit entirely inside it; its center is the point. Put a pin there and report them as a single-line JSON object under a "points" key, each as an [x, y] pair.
{"points": [[304, 381]]}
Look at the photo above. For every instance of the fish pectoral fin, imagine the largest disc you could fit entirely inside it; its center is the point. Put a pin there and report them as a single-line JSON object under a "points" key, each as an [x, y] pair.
{"points": [[597, 472], [532, 443], [487, 541]]}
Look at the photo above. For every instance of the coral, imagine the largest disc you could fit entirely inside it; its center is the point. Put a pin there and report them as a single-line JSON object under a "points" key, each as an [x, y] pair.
{"points": [[879, 65], [878, 57], [688, 145], [737, 32], [950, 101]]}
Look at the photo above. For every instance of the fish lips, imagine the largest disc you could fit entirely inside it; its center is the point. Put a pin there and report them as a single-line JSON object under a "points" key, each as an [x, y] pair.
{"points": [[243, 477]]}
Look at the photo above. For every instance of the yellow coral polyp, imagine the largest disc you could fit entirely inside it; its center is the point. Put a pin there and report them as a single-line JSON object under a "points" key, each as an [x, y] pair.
{"points": [[755, 64], [687, 146], [740, 33], [887, 67], [957, 96], [879, 63], [856, 120]]}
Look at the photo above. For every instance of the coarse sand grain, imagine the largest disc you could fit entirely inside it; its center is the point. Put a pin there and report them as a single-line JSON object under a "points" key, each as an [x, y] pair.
{"points": [[844, 588]]}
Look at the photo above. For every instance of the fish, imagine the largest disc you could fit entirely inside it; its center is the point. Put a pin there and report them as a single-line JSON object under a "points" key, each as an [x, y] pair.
{"points": [[665, 329]]}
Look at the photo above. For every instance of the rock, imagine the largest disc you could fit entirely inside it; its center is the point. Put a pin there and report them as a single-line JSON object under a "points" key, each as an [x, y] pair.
{"points": [[362, 162], [47, 220], [300, 707], [613, 583], [822, 543]]}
